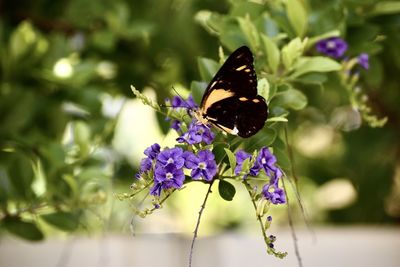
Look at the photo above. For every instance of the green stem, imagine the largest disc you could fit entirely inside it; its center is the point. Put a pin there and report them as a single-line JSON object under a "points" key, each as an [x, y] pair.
{"points": [[259, 218]]}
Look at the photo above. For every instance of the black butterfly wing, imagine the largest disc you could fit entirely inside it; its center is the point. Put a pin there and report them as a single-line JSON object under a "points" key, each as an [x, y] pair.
{"points": [[241, 116], [231, 101], [237, 75]]}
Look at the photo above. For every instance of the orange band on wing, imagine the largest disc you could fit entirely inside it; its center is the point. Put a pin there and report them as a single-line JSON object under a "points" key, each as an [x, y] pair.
{"points": [[215, 96]]}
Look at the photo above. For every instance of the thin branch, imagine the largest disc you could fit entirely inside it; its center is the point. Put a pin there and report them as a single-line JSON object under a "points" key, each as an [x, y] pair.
{"points": [[295, 184], [294, 236], [198, 223]]}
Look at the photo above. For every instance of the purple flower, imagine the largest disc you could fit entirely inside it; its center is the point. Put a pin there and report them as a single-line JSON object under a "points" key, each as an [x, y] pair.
{"points": [[334, 47], [170, 176], [274, 194], [363, 60], [196, 134], [178, 102], [171, 156], [203, 166], [166, 178], [267, 161], [155, 190], [152, 151], [190, 102], [176, 125], [241, 156], [255, 170], [145, 165], [190, 159]]}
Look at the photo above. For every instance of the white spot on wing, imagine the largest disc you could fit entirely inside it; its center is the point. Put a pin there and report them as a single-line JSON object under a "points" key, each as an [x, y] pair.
{"points": [[235, 131]]}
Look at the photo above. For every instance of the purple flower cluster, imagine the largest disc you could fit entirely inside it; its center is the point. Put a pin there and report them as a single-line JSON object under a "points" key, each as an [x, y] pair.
{"points": [[168, 166], [336, 47], [267, 161], [196, 134]]}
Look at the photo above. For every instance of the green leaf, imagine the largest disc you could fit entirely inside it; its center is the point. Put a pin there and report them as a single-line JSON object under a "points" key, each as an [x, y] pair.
{"points": [[277, 119], [265, 137], [23, 229], [246, 8], [314, 64], [219, 153], [232, 37], [282, 158], [104, 40], [5, 188], [297, 16], [226, 190], [212, 22], [20, 174], [291, 98], [272, 53], [82, 137], [22, 40], [39, 183], [197, 89], [232, 160], [207, 68], [62, 220], [250, 31], [72, 183], [292, 51], [385, 7], [312, 78], [246, 166], [263, 88], [272, 91]]}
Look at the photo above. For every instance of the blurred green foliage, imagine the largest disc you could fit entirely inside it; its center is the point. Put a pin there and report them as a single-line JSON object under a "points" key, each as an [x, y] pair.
{"points": [[59, 59]]}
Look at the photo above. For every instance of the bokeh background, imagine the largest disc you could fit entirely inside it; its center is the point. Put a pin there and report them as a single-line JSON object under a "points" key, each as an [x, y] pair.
{"points": [[72, 133]]}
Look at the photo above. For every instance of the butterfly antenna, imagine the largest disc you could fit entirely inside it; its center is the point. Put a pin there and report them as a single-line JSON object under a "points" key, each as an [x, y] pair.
{"points": [[170, 106], [185, 104]]}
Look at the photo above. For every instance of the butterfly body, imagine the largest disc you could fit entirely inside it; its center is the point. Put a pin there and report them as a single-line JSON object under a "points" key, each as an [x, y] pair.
{"points": [[230, 101]]}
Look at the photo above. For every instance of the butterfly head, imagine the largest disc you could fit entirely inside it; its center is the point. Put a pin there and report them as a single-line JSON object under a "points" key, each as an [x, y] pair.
{"points": [[200, 116]]}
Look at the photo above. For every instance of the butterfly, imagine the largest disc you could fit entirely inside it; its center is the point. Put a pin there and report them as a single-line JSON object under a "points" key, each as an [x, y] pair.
{"points": [[230, 101]]}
